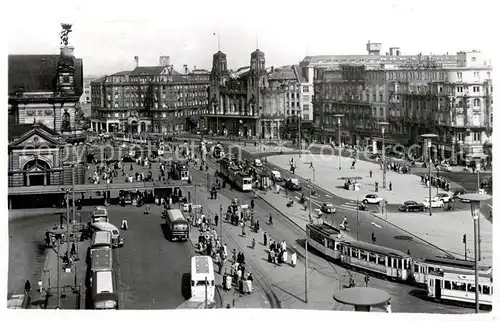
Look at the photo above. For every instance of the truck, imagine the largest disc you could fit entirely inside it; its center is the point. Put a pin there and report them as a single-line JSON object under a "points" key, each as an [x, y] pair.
{"points": [[235, 175]]}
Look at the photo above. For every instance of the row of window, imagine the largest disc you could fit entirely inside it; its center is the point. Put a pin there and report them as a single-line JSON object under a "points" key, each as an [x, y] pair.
{"points": [[467, 287], [376, 258]]}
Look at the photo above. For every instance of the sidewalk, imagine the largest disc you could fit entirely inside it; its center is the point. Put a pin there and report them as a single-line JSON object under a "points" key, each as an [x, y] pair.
{"points": [[285, 281], [327, 175], [67, 281], [262, 148]]}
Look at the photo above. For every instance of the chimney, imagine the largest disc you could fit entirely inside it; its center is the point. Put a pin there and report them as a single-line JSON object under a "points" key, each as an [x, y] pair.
{"points": [[186, 70], [398, 53], [136, 61], [194, 67], [272, 68]]}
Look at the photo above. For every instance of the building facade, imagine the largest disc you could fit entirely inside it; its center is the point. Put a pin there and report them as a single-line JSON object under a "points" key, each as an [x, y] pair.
{"points": [[235, 103], [46, 89], [450, 96], [150, 99]]}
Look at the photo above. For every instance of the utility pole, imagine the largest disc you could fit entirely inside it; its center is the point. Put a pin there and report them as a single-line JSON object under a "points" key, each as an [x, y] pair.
{"points": [[67, 222], [478, 223], [220, 222], [73, 191], [357, 220], [464, 240], [306, 265], [206, 293], [58, 271]]}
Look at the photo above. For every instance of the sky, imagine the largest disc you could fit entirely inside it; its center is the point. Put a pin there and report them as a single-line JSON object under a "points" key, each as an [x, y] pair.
{"points": [[108, 34]]}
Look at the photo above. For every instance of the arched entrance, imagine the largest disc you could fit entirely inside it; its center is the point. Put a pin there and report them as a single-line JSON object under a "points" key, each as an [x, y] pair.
{"points": [[37, 173], [143, 127], [133, 126]]}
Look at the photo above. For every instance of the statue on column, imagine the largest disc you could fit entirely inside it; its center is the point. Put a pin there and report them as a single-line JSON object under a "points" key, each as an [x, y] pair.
{"points": [[64, 33]]}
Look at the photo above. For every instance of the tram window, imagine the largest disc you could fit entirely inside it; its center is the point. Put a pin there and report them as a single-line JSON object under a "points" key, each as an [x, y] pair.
{"points": [[431, 269], [486, 289], [458, 286], [471, 287], [431, 282], [398, 263], [355, 253], [415, 268], [447, 285], [381, 260], [372, 258], [331, 244], [363, 255]]}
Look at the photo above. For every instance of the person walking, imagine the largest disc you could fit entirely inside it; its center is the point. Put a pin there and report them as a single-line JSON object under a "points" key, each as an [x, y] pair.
{"points": [[373, 238], [27, 287], [253, 243], [124, 224], [367, 279], [216, 220], [265, 239]]}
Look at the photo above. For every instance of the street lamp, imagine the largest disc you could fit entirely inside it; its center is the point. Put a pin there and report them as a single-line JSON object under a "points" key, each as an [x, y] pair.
{"points": [[475, 199], [383, 126], [429, 138], [338, 116]]}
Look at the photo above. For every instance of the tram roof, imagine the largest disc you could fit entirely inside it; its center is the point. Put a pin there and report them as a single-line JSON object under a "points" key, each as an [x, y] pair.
{"points": [[325, 228], [376, 248], [468, 273], [454, 262]]}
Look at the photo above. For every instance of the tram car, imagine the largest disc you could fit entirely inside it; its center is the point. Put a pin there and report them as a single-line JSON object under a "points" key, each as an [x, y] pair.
{"points": [[392, 264], [325, 238], [459, 286], [422, 268]]}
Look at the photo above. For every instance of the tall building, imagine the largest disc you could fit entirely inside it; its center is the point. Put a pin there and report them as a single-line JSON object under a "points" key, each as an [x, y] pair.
{"points": [[45, 89], [155, 99], [235, 103], [450, 96]]}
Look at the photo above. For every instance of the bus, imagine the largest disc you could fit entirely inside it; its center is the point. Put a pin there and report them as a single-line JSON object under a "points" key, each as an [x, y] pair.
{"points": [[460, 286], [100, 214], [101, 259], [104, 293], [101, 239], [177, 225], [202, 278], [116, 239]]}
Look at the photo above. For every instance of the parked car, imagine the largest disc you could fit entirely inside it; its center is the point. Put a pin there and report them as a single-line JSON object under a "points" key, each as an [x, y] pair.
{"points": [[412, 206], [257, 162], [372, 199], [328, 208], [435, 202], [444, 168], [446, 197]]}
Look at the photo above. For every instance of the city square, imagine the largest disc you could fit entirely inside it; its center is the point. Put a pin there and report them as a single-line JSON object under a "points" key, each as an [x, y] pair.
{"points": [[238, 180]]}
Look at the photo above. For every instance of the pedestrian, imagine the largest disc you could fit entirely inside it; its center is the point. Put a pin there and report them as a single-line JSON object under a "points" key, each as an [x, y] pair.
{"points": [[371, 173], [124, 224], [293, 259], [73, 249], [390, 186], [27, 287], [265, 239], [373, 238], [253, 243], [252, 204], [408, 252], [216, 220], [367, 279]]}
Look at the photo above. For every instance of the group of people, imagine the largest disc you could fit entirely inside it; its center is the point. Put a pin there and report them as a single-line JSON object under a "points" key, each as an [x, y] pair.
{"points": [[398, 167], [436, 181], [277, 252]]}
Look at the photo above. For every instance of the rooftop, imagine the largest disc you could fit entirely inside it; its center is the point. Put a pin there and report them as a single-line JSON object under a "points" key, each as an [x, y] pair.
{"points": [[18, 130], [147, 71], [38, 73]]}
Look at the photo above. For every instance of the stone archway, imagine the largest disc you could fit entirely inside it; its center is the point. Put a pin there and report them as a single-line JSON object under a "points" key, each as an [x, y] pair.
{"points": [[143, 127], [36, 173], [133, 126]]}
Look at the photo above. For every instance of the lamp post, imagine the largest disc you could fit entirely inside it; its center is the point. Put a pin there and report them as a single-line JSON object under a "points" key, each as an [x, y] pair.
{"points": [[475, 199], [429, 138], [383, 126], [339, 116]]}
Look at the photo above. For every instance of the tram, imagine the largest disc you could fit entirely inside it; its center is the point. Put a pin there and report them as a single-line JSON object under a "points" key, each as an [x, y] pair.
{"points": [[391, 263], [460, 286], [422, 268], [325, 238]]}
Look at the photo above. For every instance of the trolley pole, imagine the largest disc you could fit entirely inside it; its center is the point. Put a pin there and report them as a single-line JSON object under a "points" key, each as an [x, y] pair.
{"points": [[306, 267], [67, 222], [220, 222], [73, 190]]}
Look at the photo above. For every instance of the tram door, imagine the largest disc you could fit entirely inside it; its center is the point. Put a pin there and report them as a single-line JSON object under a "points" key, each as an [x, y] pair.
{"points": [[437, 289]]}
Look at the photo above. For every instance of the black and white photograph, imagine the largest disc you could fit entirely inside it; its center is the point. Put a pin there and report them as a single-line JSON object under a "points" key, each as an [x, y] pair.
{"points": [[294, 155]]}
